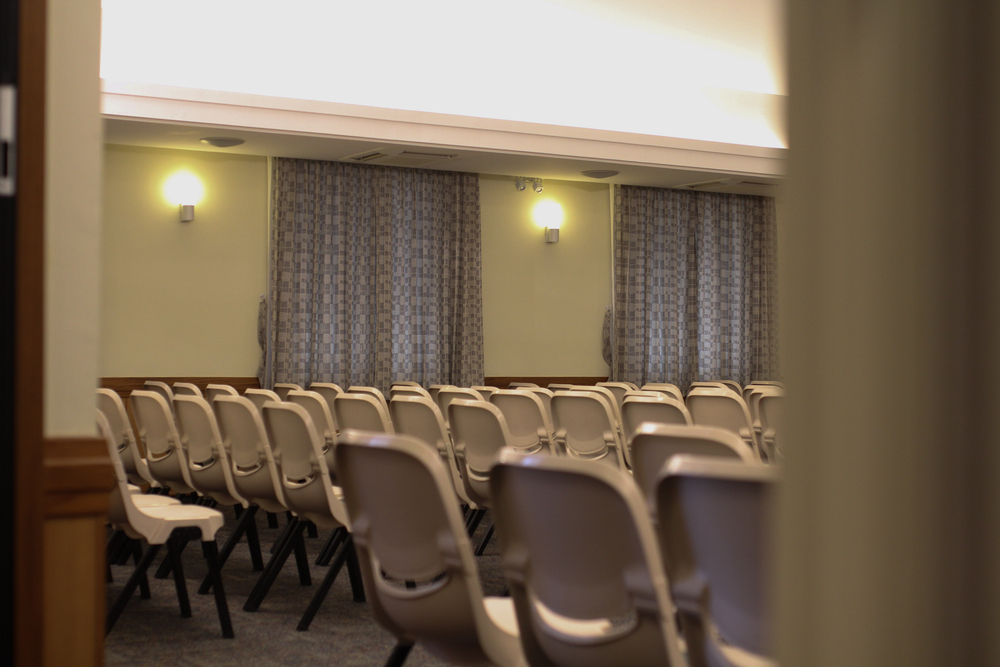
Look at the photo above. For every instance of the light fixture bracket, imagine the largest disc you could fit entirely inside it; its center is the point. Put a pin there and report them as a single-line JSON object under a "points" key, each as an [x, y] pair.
{"points": [[187, 212], [552, 235]]}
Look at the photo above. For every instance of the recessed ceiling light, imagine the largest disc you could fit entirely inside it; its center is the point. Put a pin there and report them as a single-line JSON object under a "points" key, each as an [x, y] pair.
{"points": [[222, 142], [599, 173]]}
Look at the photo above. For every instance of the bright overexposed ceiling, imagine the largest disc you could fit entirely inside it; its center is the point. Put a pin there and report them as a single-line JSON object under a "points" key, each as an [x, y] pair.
{"points": [[696, 69]]}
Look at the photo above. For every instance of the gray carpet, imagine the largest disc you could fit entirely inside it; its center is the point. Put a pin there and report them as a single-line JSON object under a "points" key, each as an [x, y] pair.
{"points": [[151, 632]]}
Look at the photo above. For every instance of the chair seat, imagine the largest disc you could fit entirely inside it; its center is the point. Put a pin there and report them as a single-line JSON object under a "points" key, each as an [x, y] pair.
{"points": [[501, 612], [170, 517], [144, 501]]}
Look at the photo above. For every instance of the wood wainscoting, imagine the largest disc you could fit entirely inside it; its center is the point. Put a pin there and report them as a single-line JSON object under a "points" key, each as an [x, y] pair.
{"points": [[503, 382]]}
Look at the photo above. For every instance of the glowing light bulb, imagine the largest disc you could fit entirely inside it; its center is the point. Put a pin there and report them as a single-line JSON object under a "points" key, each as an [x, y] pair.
{"points": [[184, 189], [548, 213]]}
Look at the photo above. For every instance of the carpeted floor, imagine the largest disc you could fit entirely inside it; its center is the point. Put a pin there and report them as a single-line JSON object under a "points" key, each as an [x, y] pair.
{"points": [[151, 632]]}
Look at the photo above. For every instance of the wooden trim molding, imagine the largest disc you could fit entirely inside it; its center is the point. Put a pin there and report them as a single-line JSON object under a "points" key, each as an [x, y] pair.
{"points": [[78, 477], [503, 382], [125, 385]]}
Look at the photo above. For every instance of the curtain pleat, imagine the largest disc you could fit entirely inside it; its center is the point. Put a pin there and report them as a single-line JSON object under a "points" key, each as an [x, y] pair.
{"points": [[695, 287], [376, 275]]}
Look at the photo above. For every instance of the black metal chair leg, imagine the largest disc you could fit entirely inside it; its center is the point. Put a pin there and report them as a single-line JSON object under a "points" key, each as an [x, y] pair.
{"points": [[227, 548], [272, 568], [311, 530], [399, 654], [163, 571], [301, 559], [330, 548], [238, 511], [477, 516], [143, 582], [130, 586], [272, 520], [354, 572], [174, 554], [253, 543], [324, 587], [211, 553], [486, 540], [284, 533]]}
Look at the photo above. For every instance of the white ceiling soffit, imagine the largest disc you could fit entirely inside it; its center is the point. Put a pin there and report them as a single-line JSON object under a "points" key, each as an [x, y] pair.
{"points": [[289, 127]]}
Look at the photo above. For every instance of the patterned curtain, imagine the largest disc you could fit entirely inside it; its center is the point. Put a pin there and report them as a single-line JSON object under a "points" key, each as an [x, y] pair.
{"points": [[376, 275], [695, 287]]}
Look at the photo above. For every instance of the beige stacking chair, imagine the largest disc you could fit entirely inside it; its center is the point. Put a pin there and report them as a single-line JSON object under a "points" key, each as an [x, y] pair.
{"points": [[371, 391], [323, 421], [327, 390], [407, 390], [558, 386], [416, 560], [609, 398], [161, 388], [618, 389], [654, 444], [544, 395], [772, 417], [485, 392], [479, 432], [665, 388], [419, 417], [593, 592], [186, 389], [433, 391], [714, 528], [585, 428], [261, 396], [448, 394], [156, 524], [309, 493], [113, 408], [361, 412], [527, 419], [165, 457], [521, 385], [405, 383], [659, 409], [723, 408], [213, 390], [282, 389]]}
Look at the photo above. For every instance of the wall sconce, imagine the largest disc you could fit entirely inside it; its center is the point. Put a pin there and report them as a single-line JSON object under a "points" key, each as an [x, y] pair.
{"points": [[183, 189], [549, 214]]}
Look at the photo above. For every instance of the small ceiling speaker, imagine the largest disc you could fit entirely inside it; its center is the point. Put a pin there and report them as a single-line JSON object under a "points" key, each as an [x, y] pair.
{"points": [[222, 142], [599, 173]]}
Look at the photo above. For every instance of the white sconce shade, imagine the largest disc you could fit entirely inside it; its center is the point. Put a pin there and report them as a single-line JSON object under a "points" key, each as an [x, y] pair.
{"points": [[548, 214], [184, 189]]}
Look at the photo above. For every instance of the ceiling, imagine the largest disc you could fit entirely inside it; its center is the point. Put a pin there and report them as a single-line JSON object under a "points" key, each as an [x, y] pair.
{"points": [[187, 137]]}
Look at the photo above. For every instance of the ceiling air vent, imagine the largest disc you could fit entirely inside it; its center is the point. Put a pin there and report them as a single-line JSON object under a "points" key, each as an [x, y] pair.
{"points": [[366, 157], [718, 183], [757, 184]]}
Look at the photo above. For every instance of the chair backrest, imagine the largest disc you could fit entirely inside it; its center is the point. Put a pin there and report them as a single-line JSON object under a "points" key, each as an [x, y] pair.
{"points": [[772, 418], [186, 389], [484, 391], [405, 383], [585, 427], [361, 412], [479, 432], [113, 408], [213, 390], [327, 390], [664, 388], [544, 395], [210, 470], [120, 506], [433, 391], [322, 419], [407, 528], [654, 444], [420, 418], [165, 456], [370, 391], [161, 388], [661, 409], [714, 526], [521, 385], [723, 408], [580, 600], [734, 385], [559, 386], [608, 396], [255, 470], [618, 389], [304, 473], [448, 394], [261, 396], [282, 389], [527, 419], [407, 390]]}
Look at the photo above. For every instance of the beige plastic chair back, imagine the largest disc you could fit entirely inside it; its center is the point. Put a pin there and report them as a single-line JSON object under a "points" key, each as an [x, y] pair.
{"points": [[715, 532], [186, 389], [282, 389], [654, 444], [213, 390], [585, 428], [433, 391], [407, 528], [484, 391], [210, 471], [723, 408], [448, 394], [734, 385], [261, 396], [309, 490], [361, 412], [407, 390], [609, 398], [323, 422], [618, 389], [111, 406], [165, 456], [255, 470], [521, 385], [592, 593], [419, 417], [772, 418], [371, 391], [661, 409], [479, 432], [405, 383], [161, 388], [558, 386], [527, 419], [664, 388], [327, 390]]}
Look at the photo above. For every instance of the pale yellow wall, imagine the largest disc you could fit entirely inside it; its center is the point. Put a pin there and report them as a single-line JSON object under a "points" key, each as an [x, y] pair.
{"points": [[181, 298], [543, 303], [72, 215]]}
